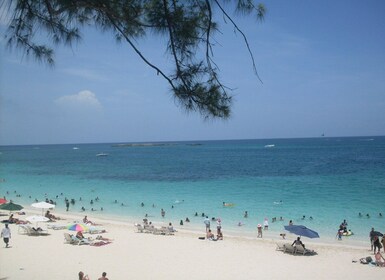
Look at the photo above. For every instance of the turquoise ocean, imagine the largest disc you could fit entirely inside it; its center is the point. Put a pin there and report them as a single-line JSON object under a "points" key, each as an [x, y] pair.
{"points": [[328, 179]]}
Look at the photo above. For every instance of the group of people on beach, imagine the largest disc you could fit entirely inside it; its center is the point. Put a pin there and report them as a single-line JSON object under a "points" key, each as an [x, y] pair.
{"points": [[209, 234]]}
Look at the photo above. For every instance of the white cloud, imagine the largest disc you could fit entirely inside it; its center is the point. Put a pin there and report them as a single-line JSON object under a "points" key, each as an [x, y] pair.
{"points": [[83, 99], [84, 73]]}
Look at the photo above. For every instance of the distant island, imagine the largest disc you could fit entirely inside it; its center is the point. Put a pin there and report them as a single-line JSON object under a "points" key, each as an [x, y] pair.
{"points": [[143, 144], [151, 144]]}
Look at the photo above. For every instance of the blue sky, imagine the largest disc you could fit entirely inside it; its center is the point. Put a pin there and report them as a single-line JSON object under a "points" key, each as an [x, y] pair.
{"points": [[322, 64]]}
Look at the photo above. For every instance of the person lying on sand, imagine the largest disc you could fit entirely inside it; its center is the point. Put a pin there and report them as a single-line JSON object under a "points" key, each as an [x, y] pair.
{"points": [[99, 237]]}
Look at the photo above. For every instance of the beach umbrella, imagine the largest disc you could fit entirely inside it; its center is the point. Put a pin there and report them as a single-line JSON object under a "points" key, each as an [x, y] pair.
{"points": [[36, 219], [77, 227], [3, 200], [43, 205], [11, 206], [302, 231]]}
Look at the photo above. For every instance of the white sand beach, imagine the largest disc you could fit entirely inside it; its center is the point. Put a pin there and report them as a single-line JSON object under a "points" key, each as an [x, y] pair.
{"points": [[134, 255]]}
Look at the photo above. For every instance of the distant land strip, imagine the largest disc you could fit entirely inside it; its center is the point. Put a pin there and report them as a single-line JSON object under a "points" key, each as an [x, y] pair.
{"points": [[151, 144]]}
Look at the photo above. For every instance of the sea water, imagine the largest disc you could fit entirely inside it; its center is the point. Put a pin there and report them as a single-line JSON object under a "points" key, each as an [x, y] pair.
{"points": [[316, 182]]}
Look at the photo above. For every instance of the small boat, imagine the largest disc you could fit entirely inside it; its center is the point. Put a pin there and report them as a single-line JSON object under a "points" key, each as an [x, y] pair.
{"points": [[269, 146], [75, 148], [102, 155]]}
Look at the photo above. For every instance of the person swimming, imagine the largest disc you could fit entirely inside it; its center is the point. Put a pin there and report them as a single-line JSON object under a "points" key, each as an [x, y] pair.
{"points": [[225, 204]]}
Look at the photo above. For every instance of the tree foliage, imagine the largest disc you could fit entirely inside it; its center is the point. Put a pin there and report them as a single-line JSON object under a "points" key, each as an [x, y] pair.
{"points": [[188, 25]]}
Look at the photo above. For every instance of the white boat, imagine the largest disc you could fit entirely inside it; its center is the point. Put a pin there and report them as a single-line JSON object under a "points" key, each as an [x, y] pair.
{"points": [[102, 155], [75, 148], [269, 146]]}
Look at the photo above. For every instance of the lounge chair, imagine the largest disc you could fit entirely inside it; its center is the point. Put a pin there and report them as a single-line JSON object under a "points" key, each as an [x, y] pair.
{"points": [[70, 239], [56, 227], [288, 248], [299, 249], [95, 230], [27, 229], [280, 247], [166, 231], [150, 229], [23, 229], [139, 228]]}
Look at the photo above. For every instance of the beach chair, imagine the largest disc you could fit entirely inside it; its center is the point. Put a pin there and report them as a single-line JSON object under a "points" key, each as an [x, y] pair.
{"points": [[74, 240], [301, 250], [35, 232], [56, 227], [23, 229], [288, 248], [150, 229], [70, 239], [139, 228], [169, 231], [280, 247], [95, 230]]}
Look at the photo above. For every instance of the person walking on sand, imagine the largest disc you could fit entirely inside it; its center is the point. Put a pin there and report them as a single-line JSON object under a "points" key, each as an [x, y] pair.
{"points": [[104, 274], [371, 236], [6, 235]]}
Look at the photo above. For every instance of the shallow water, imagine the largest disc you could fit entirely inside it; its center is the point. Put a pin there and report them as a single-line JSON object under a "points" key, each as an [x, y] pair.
{"points": [[329, 179]]}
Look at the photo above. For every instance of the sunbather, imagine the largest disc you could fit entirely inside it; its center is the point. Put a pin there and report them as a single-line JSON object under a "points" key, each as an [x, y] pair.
{"points": [[88, 222], [51, 217], [99, 237], [79, 235], [210, 235], [380, 261], [100, 243], [298, 242]]}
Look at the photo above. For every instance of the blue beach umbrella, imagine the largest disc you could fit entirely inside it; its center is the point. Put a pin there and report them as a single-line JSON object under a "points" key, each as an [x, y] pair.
{"points": [[302, 231]]}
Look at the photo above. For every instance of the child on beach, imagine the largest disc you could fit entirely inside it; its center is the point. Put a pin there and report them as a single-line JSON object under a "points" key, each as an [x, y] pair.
{"points": [[259, 231]]}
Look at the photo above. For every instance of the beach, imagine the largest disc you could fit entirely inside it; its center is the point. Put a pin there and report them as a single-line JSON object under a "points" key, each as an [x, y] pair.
{"points": [[313, 182], [133, 255]]}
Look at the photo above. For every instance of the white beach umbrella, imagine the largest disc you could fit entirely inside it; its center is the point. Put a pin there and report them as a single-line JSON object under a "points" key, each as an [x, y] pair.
{"points": [[36, 219], [43, 205]]}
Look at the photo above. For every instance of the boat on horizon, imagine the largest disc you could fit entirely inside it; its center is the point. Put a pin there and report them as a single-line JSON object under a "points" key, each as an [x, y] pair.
{"points": [[269, 146], [102, 155]]}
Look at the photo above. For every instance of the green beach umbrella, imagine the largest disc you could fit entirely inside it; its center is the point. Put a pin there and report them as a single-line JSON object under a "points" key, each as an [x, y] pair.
{"points": [[11, 206]]}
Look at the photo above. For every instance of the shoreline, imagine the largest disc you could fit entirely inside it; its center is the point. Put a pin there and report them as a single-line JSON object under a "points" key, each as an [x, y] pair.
{"points": [[133, 255], [195, 230]]}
